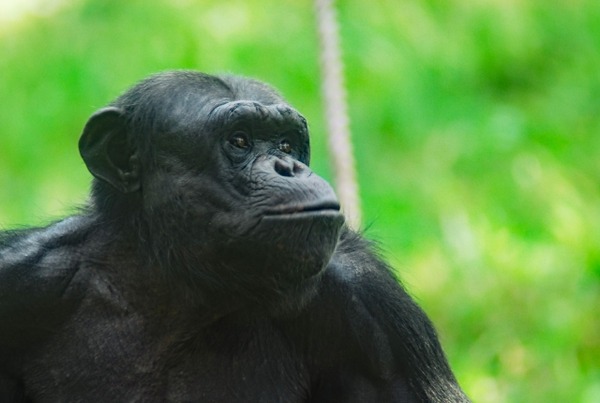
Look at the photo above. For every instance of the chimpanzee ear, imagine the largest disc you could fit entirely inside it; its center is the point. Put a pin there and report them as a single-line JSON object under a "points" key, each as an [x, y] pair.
{"points": [[104, 148]]}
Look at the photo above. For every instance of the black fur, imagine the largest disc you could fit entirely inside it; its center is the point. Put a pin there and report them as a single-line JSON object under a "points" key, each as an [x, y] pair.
{"points": [[211, 265]]}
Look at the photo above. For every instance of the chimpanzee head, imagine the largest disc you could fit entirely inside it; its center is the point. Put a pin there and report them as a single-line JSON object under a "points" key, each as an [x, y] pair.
{"points": [[211, 175]]}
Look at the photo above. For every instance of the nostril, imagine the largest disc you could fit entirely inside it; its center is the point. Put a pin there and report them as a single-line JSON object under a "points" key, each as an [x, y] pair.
{"points": [[284, 168], [299, 168]]}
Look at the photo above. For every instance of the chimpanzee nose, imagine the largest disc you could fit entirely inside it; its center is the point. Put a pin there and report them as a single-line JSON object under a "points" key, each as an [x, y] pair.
{"points": [[289, 167]]}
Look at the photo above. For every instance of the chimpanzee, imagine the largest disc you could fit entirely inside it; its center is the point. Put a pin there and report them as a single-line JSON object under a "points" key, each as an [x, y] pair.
{"points": [[211, 265]]}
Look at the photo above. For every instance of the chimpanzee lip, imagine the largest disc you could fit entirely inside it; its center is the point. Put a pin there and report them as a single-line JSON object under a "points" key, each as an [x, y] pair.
{"points": [[317, 207]]}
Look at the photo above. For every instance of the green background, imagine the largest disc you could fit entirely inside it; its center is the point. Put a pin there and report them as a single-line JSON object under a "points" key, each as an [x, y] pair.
{"points": [[476, 132]]}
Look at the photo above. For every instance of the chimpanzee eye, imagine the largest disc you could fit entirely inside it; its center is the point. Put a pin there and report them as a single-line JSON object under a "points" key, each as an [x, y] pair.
{"points": [[239, 140], [285, 146]]}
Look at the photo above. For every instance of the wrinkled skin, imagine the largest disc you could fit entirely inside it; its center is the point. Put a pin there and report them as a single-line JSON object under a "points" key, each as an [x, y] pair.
{"points": [[212, 265]]}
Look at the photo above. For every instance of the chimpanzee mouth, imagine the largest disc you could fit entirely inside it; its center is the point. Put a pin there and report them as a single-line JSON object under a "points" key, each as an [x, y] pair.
{"points": [[321, 207]]}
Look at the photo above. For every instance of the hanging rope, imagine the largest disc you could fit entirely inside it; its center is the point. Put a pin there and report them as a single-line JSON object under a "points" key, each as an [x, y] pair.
{"points": [[336, 112]]}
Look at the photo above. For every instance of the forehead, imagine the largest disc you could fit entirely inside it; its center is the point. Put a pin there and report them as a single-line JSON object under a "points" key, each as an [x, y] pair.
{"points": [[183, 101], [180, 96]]}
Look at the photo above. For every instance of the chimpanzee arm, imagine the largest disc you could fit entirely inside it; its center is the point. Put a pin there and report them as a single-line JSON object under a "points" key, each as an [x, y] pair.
{"points": [[402, 357]]}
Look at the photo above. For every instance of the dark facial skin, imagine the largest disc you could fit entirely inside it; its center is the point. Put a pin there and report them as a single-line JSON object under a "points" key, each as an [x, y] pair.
{"points": [[211, 265]]}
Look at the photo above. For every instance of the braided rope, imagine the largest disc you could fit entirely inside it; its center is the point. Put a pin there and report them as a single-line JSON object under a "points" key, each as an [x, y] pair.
{"points": [[336, 112]]}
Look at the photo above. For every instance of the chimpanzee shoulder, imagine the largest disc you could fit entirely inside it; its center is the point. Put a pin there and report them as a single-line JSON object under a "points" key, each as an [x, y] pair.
{"points": [[385, 332], [38, 267]]}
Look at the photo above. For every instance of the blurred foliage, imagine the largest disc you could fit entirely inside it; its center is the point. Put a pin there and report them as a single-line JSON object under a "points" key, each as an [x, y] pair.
{"points": [[475, 126]]}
